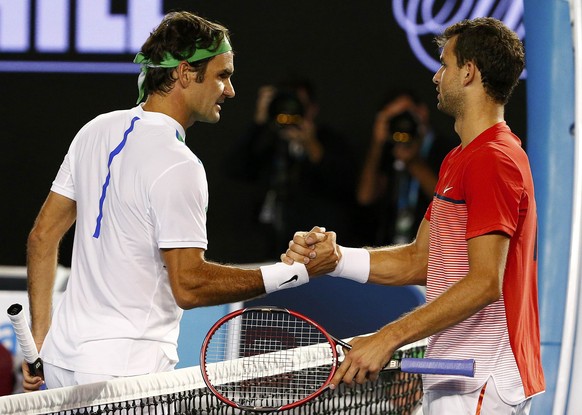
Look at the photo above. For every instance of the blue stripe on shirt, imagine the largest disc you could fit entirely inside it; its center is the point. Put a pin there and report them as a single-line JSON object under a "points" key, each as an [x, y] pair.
{"points": [[112, 155]]}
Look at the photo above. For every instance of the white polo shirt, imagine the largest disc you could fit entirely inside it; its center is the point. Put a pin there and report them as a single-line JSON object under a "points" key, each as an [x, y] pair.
{"points": [[138, 188]]}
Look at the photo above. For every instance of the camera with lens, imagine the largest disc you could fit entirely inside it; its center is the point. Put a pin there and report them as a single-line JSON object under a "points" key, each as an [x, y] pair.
{"points": [[404, 128], [286, 109]]}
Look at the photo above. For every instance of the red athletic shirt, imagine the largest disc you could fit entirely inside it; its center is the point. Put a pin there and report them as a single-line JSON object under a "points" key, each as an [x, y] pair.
{"points": [[483, 188]]}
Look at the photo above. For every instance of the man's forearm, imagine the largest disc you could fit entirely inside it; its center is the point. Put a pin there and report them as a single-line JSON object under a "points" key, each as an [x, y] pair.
{"points": [[54, 219], [41, 271], [461, 301]]}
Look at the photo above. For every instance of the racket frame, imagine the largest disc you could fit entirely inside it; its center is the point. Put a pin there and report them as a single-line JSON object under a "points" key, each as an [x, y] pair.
{"points": [[231, 316], [464, 367]]}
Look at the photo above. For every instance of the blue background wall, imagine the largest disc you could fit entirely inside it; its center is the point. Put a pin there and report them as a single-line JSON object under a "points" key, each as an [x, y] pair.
{"points": [[550, 115]]}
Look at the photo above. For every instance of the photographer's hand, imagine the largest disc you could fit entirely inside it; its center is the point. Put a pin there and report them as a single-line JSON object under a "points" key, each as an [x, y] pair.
{"points": [[305, 136], [374, 182], [400, 105], [380, 130], [264, 98]]}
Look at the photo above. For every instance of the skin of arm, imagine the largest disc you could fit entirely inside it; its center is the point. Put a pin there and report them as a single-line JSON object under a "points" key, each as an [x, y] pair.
{"points": [[304, 134], [401, 264], [56, 217], [407, 264], [479, 288], [196, 282], [265, 96], [392, 265], [373, 182]]}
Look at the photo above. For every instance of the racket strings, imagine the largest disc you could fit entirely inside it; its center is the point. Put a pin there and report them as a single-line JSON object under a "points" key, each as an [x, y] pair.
{"points": [[267, 359]]}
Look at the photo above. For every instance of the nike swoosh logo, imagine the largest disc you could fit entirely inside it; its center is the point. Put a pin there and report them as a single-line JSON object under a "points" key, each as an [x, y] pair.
{"points": [[447, 189], [293, 278]]}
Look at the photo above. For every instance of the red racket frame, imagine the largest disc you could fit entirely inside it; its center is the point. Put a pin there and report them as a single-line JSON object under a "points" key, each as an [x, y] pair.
{"points": [[240, 312]]}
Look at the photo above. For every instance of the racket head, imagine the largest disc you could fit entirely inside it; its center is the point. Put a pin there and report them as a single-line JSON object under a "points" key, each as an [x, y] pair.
{"points": [[267, 359]]}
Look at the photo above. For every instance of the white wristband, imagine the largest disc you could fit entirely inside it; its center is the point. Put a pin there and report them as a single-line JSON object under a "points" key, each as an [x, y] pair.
{"points": [[354, 265], [280, 276]]}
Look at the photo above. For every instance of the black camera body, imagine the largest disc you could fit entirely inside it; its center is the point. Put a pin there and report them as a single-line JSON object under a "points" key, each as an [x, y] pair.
{"points": [[404, 128], [286, 109]]}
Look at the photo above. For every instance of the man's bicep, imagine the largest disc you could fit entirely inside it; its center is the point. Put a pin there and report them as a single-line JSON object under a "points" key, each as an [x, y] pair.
{"points": [[402, 264], [186, 273], [57, 215], [420, 253], [422, 240], [182, 257], [488, 256], [179, 261]]}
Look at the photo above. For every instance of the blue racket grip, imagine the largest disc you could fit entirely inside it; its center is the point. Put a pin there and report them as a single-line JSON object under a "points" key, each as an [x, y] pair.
{"points": [[438, 366]]}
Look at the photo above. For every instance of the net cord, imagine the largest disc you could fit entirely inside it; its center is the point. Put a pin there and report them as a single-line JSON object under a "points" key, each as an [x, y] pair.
{"points": [[235, 370], [115, 390]]}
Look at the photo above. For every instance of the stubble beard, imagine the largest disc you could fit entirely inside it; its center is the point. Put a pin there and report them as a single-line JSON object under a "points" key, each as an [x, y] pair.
{"points": [[452, 105]]}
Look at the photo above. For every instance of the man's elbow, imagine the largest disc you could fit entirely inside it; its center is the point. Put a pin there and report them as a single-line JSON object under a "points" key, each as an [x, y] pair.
{"points": [[188, 300], [39, 241], [189, 296], [493, 291], [34, 239]]}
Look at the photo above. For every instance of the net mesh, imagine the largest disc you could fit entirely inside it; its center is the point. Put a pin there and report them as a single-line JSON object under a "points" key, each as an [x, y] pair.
{"points": [[183, 392], [268, 358]]}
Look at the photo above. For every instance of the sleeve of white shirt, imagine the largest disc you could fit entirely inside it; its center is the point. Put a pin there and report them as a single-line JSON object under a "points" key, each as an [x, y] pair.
{"points": [[179, 201], [63, 183]]}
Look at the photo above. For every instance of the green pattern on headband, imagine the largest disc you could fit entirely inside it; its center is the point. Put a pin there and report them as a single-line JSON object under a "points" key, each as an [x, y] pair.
{"points": [[169, 61]]}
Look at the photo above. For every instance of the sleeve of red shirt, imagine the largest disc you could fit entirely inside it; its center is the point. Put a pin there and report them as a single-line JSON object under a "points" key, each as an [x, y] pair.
{"points": [[493, 187]]}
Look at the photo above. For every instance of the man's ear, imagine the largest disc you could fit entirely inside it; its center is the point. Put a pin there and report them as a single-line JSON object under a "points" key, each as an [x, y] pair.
{"points": [[184, 73], [469, 72]]}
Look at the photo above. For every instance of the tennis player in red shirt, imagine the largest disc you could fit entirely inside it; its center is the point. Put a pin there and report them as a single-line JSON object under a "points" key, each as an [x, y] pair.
{"points": [[476, 249]]}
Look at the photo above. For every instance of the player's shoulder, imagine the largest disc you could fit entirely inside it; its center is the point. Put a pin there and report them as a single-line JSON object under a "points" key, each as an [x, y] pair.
{"points": [[501, 156], [115, 115], [110, 119], [496, 142]]}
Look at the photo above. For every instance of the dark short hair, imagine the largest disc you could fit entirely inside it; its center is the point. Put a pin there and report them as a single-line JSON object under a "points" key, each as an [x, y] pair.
{"points": [[179, 33], [494, 48]]}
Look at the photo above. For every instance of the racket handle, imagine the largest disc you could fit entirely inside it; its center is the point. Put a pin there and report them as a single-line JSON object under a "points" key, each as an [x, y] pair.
{"points": [[25, 339], [438, 366]]}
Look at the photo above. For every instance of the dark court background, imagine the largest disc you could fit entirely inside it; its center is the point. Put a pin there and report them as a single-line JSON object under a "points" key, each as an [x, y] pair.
{"points": [[353, 51]]}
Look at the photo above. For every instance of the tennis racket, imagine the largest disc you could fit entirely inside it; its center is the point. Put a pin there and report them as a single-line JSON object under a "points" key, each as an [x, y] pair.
{"points": [[267, 359], [25, 339]]}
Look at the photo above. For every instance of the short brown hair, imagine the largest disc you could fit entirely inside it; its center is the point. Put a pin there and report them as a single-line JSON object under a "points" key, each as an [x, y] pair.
{"points": [[179, 33], [494, 48]]}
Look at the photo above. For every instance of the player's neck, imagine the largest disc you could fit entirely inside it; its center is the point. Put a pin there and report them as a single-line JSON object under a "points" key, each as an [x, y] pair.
{"points": [[477, 119], [167, 104]]}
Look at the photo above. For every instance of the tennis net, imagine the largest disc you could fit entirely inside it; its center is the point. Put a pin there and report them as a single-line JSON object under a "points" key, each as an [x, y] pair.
{"points": [[183, 392]]}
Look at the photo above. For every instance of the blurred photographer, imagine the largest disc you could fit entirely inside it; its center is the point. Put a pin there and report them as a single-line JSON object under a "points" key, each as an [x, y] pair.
{"points": [[304, 170], [400, 170]]}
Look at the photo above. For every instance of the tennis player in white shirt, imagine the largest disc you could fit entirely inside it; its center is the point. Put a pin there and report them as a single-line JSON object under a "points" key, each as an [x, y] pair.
{"points": [[139, 198]]}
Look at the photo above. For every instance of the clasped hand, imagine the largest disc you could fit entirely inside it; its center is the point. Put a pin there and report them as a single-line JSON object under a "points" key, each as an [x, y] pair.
{"points": [[317, 249]]}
